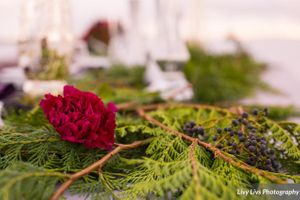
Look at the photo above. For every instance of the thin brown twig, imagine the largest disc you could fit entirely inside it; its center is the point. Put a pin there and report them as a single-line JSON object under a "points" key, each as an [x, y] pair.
{"points": [[126, 105], [217, 152], [96, 165], [192, 155]]}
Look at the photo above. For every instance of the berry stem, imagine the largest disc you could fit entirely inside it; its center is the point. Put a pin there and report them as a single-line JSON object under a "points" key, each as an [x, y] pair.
{"points": [[212, 148], [96, 165]]}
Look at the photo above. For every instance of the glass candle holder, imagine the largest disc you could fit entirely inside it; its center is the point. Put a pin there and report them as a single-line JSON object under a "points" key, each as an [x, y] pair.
{"points": [[46, 39]]}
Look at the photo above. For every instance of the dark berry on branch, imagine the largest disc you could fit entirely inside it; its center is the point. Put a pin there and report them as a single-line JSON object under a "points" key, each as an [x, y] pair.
{"points": [[229, 143], [253, 158], [253, 130], [245, 115], [239, 133], [219, 130], [252, 137], [225, 129], [200, 130], [220, 146], [187, 126], [263, 147], [253, 141], [268, 161], [242, 138], [192, 123], [245, 122], [251, 148], [271, 151], [235, 122], [240, 120], [215, 138], [194, 130], [250, 162], [266, 111], [229, 129], [255, 112], [247, 143], [275, 164], [231, 133]]}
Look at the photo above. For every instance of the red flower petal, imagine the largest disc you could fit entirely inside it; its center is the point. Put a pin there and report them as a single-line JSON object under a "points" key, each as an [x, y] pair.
{"points": [[81, 117]]}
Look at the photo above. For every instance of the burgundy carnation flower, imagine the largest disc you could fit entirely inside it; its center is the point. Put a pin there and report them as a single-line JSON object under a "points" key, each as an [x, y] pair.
{"points": [[81, 117]]}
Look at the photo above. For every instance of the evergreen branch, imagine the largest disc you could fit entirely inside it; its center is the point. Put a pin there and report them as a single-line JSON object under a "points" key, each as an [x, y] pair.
{"points": [[17, 179], [98, 164], [21, 177], [216, 151], [283, 136], [194, 163], [31, 142], [182, 105]]}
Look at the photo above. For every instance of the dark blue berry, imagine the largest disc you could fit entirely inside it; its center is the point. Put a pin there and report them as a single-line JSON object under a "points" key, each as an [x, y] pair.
{"points": [[253, 141], [242, 138], [252, 137], [200, 130], [245, 115], [255, 112], [245, 122], [215, 138], [235, 122], [247, 143], [253, 130], [192, 123], [219, 130], [268, 161], [249, 162], [239, 133], [263, 147], [276, 164], [251, 148], [220, 146]]}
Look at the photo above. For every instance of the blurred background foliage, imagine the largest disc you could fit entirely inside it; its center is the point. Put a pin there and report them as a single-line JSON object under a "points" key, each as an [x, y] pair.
{"points": [[220, 79], [223, 77]]}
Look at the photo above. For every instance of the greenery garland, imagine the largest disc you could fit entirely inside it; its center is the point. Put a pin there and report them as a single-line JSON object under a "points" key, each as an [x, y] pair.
{"points": [[153, 158]]}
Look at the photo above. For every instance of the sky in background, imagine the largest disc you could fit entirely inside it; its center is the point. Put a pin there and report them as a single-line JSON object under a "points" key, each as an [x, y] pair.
{"points": [[248, 19]]}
